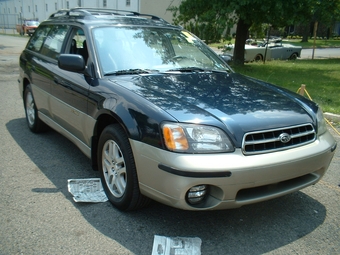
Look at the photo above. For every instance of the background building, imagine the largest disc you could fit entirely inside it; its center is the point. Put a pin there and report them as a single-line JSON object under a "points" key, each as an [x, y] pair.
{"points": [[12, 12], [158, 8]]}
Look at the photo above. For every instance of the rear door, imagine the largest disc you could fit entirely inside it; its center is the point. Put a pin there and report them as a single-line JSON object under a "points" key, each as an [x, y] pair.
{"points": [[37, 68], [70, 90]]}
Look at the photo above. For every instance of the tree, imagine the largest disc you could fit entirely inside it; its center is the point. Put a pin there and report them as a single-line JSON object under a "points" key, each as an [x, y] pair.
{"points": [[321, 11], [221, 14]]}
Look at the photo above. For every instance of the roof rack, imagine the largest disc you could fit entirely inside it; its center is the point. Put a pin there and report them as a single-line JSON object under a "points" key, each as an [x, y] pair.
{"points": [[92, 12]]}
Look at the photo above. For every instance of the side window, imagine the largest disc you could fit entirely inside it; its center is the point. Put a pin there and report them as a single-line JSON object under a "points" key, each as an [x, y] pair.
{"points": [[38, 38], [54, 41]]}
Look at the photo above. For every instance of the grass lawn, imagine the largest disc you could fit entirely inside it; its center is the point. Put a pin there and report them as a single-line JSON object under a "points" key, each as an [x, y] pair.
{"points": [[321, 77]]}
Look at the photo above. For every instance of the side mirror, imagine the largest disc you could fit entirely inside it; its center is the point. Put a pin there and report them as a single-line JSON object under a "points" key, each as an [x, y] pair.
{"points": [[71, 62], [227, 58]]}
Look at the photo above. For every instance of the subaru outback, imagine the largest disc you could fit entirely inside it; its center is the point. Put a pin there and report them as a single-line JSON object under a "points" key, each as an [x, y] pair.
{"points": [[162, 117]]}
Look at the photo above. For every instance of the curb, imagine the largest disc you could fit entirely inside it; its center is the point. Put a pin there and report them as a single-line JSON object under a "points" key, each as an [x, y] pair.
{"points": [[332, 116]]}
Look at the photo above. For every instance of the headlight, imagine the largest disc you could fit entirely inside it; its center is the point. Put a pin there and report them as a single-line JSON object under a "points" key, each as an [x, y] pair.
{"points": [[322, 128], [191, 138]]}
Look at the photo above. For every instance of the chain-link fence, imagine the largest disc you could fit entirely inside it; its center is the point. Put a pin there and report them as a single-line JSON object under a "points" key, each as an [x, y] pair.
{"points": [[9, 21]]}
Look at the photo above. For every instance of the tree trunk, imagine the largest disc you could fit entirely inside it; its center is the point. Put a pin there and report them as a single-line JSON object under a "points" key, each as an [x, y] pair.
{"points": [[306, 32], [241, 37], [328, 33]]}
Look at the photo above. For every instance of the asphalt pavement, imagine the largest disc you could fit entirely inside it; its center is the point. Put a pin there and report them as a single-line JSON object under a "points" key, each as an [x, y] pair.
{"points": [[320, 53], [39, 216]]}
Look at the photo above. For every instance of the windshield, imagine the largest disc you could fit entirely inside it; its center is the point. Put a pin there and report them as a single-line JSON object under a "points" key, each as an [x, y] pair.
{"points": [[32, 23], [152, 49]]}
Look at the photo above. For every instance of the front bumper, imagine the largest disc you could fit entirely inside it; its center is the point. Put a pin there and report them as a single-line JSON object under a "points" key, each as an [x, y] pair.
{"points": [[234, 179]]}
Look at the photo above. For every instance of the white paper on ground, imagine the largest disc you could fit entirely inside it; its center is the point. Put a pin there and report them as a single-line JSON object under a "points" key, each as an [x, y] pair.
{"points": [[87, 190], [163, 245]]}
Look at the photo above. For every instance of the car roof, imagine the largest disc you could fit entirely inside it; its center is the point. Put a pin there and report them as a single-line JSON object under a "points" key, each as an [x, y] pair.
{"points": [[96, 16]]}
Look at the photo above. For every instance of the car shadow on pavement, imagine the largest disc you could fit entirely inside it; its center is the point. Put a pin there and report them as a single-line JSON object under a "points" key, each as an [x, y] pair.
{"points": [[252, 229]]}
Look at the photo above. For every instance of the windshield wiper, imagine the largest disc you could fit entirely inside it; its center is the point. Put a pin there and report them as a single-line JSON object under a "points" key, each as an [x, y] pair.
{"points": [[131, 71], [194, 69]]}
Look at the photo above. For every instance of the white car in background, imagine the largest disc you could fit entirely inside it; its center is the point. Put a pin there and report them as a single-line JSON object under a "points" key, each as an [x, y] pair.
{"points": [[275, 49]]}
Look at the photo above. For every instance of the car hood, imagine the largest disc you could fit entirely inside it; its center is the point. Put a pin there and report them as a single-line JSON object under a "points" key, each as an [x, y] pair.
{"points": [[234, 102]]}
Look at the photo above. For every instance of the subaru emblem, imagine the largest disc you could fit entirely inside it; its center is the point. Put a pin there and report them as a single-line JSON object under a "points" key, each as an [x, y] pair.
{"points": [[284, 138]]}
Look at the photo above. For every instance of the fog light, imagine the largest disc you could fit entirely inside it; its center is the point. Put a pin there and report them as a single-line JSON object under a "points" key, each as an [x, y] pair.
{"points": [[196, 194]]}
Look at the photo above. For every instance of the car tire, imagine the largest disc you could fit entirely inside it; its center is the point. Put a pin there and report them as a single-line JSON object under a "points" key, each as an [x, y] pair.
{"points": [[31, 112], [118, 170], [294, 56], [258, 58]]}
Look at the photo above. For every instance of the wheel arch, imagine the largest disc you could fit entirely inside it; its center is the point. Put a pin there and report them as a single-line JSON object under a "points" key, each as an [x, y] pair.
{"points": [[25, 82], [261, 57], [295, 53], [103, 120], [134, 119]]}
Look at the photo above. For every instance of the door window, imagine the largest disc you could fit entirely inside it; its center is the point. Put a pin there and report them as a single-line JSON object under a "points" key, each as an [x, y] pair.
{"points": [[54, 41], [38, 38]]}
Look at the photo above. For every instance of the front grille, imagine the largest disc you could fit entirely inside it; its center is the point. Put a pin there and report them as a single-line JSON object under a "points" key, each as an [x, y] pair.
{"points": [[277, 139]]}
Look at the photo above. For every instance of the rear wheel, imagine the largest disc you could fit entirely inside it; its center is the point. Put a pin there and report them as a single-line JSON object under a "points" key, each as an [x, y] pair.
{"points": [[294, 56], [33, 121], [258, 58], [118, 171]]}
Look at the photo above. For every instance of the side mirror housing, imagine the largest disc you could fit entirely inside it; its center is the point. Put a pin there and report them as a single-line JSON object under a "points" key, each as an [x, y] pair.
{"points": [[71, 62]]}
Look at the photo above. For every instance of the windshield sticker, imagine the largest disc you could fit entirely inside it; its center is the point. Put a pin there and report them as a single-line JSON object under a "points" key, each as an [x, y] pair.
{"points": [[189, 37]]}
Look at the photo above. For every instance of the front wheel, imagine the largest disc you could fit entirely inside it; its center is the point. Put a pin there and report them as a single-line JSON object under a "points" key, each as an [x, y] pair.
{"points": [[33, 121], [118, 171]]}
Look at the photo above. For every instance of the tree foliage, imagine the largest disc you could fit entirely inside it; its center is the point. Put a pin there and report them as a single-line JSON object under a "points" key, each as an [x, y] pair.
{"points": [[210, 19], [325, 11]]}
